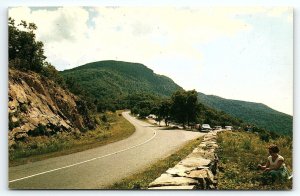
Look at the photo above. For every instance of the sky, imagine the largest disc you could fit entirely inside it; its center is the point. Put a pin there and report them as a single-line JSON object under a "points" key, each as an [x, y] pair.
{"points": [[241, 53]]}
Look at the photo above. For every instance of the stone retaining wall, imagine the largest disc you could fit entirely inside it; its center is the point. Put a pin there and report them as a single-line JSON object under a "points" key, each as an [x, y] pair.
{"points": [[197, 171]]}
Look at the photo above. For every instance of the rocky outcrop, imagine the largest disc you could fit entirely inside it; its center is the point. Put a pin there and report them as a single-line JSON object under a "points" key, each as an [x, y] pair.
{"points": [[197, 171], [38, 106]]}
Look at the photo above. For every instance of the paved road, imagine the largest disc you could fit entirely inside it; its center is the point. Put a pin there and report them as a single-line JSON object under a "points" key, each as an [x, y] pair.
{"points": [[99, 167]]}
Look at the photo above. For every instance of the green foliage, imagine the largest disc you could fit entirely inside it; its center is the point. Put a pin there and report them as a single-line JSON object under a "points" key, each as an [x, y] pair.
{"points": [[118, 85], [12, 125], [163, 111], [111, 83], [38, 131], [247, 144], [25, 53], [214, 117], [253, 113], [184, 106], [18, 119], [51, 73], [141, 103], [23, 108], [240, 153], [265, 137], [104, 118], [82, 107]]}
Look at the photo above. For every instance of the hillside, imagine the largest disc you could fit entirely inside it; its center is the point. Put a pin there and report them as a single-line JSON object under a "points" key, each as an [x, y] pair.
{"points": [[114, 79], [110, 81], [39, 107], [254, 113], [236, 173]]}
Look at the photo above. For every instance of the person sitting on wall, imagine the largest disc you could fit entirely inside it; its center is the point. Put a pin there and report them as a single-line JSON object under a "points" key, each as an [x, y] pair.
{"points": [[274, 169]]}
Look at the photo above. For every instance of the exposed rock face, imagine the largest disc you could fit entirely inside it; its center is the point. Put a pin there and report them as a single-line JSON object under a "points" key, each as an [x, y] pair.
{"points": [[38, 106], [196, 171]]}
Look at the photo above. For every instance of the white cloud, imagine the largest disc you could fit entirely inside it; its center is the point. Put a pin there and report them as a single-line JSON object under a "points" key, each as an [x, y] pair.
{"points": [[125, 33], [66, 23], [164, 38], [63, 30]]}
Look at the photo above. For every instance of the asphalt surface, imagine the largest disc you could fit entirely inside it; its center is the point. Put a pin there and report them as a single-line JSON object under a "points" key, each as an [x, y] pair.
{"points": [[100, 167]]}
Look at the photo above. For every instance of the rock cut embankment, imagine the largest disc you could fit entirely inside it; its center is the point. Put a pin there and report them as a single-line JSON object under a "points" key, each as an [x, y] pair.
{"points": [[38, 106]]}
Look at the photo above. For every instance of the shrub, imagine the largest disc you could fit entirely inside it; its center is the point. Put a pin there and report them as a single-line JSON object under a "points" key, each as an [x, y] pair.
{"points": [[12, 125], [265, 137], [39, 130], [104, 118], [23, 108]]}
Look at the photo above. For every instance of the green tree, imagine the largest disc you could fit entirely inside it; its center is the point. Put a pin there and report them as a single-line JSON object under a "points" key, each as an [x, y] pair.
{"points": [[178, 110], [142, 103], [164, 111], [51, 72], [184, 107], [25, 53], [192, 107], [144, 108]]}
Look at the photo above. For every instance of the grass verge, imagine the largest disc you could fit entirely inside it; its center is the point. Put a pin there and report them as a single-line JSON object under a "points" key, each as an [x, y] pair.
{"points": [[39, 148], [142, 179], [240, 153]]}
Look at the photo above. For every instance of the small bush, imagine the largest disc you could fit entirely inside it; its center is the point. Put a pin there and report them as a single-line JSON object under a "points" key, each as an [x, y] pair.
{"points": [[12, 125], [104, 118], [23, 108], [38, 131], [265, 137]]}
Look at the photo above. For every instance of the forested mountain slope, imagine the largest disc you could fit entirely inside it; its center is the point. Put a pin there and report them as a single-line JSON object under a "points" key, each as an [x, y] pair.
{"points": [[112, 79], [255, 113]]}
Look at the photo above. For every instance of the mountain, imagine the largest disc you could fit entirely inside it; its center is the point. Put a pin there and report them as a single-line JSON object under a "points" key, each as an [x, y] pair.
{"points": [[254, 113], [110, 80], [114, 79], [38, 106]]}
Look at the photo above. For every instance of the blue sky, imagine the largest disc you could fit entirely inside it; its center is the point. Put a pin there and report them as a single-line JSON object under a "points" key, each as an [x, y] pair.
{"points": [[243, 53]]}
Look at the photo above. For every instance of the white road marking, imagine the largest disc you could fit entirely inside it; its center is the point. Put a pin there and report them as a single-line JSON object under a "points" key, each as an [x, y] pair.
{"points": [[79, 163]]}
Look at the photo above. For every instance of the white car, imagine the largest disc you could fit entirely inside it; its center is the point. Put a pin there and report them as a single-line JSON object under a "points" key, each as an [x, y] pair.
{"points": [[218, 128], [229, 128], [206, 128]]}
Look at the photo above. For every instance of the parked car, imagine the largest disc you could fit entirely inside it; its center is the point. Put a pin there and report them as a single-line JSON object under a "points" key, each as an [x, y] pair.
{"points": [[218, 127], [229, 128], [151, 116], [206, 128]]}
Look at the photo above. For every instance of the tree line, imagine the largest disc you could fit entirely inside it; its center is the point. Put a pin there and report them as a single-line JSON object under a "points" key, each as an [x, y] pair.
{"points": [[181, 107]]}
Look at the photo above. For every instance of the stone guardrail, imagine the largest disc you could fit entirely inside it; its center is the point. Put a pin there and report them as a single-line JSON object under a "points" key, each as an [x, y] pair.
{"points": [[197, 171]]}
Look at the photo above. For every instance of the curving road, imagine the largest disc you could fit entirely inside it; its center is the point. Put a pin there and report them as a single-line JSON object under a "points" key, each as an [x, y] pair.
{"points": [[100, 167]]}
